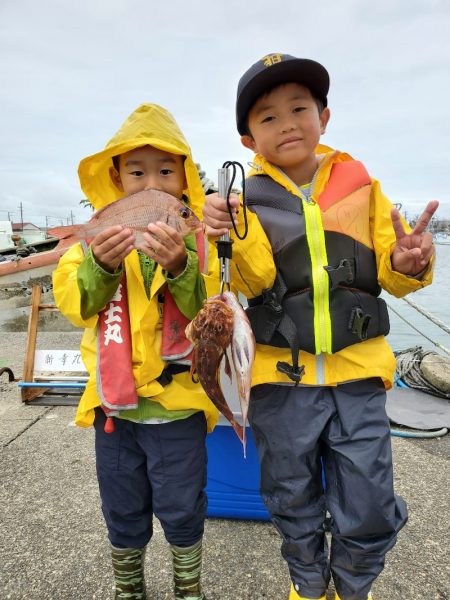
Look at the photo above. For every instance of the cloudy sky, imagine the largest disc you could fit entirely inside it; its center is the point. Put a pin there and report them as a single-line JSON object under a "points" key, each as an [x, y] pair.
{"points": [[71, 72]]}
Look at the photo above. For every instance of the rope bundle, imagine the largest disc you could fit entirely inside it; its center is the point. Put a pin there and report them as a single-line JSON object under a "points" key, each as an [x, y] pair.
{"points": [[408, 369]]}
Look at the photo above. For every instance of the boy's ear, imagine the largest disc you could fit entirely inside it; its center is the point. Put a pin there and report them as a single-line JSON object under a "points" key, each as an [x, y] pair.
{"points": [[115, 178], [324, 118], [248, 142]]}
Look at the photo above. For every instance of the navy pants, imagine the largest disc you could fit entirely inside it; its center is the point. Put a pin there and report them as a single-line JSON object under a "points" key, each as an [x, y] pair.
{"points": [[146, 470], [345, 429]]}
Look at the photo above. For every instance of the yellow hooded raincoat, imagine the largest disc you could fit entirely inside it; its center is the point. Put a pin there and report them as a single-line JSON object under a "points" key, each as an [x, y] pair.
{"points": [[148, 125]]}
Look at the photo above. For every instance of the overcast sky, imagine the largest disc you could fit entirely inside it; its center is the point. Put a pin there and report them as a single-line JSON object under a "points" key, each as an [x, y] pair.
{"points": [[71, 72]]}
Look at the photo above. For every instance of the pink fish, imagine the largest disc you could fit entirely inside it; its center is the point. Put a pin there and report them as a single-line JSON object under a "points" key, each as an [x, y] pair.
{"points": [[243, 348], [135, 212]]}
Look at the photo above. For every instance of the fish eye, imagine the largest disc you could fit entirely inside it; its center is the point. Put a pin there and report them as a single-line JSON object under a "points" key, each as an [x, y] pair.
{"points": [[184, 213]]}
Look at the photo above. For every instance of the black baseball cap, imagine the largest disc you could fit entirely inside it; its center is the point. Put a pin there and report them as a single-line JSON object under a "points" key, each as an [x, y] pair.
{"points": [[276, 69]]}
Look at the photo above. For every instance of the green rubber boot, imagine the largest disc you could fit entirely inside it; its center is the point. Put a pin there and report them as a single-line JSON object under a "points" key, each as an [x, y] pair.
{"points": [[128, 565], [187, 564]]}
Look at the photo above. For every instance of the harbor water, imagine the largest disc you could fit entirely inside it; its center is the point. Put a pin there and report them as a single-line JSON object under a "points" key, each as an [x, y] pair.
{"points": [[434, 299]]}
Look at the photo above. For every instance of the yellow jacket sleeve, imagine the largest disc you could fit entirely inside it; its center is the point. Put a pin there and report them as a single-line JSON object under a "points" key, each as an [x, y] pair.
{"points": [[384, 241], [65, 288]]}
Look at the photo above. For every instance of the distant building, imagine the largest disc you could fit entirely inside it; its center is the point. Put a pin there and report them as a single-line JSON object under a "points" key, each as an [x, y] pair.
{"points": [[5, 235], [29, 233]]}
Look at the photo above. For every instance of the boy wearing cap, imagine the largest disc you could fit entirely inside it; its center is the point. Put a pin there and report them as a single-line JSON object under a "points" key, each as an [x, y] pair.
{"points": [[322, 363]]}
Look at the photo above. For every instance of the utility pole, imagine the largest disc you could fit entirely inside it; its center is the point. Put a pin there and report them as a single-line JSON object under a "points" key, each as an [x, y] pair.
{"points": [[71, 216], [21, 216]]}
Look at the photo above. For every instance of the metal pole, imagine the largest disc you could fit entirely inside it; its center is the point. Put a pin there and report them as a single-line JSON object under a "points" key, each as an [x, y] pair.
{"points": [[223, 181]]}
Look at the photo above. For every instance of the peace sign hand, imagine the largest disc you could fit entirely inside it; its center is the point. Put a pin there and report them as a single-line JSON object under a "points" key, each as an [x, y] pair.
{"points": [[413, 251]]}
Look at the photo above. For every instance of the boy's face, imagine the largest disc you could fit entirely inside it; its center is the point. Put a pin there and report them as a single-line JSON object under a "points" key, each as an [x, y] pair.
{"points": [[285, 127], [149, 168]]}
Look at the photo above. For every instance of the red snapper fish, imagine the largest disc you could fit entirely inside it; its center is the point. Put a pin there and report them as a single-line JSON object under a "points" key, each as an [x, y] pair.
{"points": [[221, 325], [135, 212]]}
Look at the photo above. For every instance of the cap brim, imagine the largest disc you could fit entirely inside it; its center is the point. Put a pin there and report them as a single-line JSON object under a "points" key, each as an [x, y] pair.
{"points": [[304, 71]]}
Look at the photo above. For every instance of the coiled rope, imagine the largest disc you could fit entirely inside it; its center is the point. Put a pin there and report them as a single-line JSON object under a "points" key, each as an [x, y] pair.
{"points": [[409, 371]]}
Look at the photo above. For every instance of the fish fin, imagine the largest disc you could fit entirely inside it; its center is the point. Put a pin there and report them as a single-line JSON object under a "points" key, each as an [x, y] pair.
{"points": [[228, 368], [67, 234], [193, 371], [239, 430]]}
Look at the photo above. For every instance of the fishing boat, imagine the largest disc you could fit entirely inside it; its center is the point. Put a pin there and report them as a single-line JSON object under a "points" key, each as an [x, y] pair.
{"points": [[22, 270]]}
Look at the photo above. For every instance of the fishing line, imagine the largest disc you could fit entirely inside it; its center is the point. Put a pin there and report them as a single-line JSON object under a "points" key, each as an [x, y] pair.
{"points": [[234, 165]]}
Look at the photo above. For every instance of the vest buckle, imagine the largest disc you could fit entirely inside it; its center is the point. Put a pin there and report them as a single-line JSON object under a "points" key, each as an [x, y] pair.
{"points": [[343, 273], [294, 373], [270, 300], [359, 323]]}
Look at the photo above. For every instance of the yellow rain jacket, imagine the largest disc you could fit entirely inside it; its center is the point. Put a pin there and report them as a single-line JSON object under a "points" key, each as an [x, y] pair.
{"points": [[148, 125], [371, 358]]}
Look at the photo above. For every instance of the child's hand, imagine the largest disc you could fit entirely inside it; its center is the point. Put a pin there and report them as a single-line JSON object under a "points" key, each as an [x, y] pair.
{"points": [[216, 216], [166, 246], [111, 246], [413, 250]]}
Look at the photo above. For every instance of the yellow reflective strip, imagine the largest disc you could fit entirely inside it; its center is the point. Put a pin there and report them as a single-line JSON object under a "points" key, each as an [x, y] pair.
{"points": [[317, 249]]}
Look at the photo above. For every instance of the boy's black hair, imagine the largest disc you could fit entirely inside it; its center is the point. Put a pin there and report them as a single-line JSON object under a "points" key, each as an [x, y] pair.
{"points": [[273, 70]]}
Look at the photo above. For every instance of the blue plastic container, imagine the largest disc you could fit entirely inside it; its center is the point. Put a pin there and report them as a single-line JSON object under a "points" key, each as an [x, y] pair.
{"points": [[233, 481]]}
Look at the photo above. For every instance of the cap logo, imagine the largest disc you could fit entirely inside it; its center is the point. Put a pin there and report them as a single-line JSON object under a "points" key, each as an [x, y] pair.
{"points": [[272, 59]]}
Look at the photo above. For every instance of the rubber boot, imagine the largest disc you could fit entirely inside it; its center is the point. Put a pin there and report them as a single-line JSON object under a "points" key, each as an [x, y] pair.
{"points": [[187, 564], [128, 565], [294, 596]]}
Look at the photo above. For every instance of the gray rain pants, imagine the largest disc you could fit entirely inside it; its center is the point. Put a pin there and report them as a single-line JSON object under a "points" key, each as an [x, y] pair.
{"points": [[345, 429]]}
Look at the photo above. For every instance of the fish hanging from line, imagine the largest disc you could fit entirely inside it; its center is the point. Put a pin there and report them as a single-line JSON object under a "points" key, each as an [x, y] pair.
{"points": [[243, 346], [220, 325], [135, 211]]}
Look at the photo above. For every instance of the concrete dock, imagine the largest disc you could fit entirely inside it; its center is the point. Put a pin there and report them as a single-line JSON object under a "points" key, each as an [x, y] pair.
{"points": [[53, 543]]}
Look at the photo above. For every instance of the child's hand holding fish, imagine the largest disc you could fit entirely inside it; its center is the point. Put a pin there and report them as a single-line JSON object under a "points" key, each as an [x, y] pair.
{"points": [[166, 246], [112, 245]]}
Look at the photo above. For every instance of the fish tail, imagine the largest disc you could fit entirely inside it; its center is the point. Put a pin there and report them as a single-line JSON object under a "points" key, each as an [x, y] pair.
{"points": [[67, 234], [240, 431]]}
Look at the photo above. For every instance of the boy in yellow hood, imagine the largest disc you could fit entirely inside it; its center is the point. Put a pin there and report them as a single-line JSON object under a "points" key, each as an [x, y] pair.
{"points": [[153, 462], [322, 361]]}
